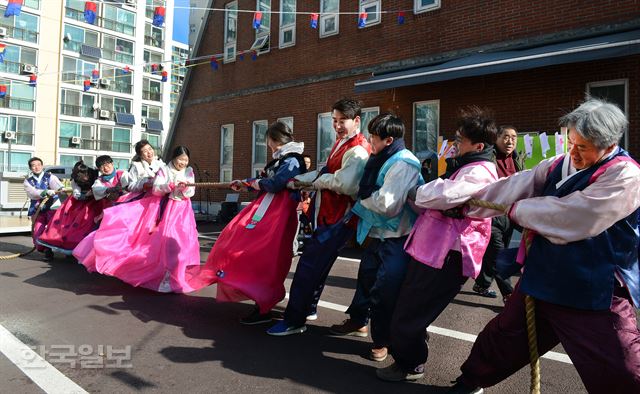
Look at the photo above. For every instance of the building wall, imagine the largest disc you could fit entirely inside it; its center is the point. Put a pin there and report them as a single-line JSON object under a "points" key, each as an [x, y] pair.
{"points": [[304, 80]]}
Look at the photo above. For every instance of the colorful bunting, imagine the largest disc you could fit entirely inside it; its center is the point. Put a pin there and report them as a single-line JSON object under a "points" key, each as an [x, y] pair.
{"points": [[254, 55], [257, 20], [13, 8], [3, 91], [314, 21], [241, 56], [154, 68], [95, 74], [164, 76], [2, 48], [362, 20], [214, 63], [401, 18], [87, 85], [90, 10], [158, 16], [125, 70], [33, 79]]}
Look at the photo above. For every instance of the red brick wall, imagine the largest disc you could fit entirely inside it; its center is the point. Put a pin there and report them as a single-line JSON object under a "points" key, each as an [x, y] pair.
{"points": [[531, 100]]}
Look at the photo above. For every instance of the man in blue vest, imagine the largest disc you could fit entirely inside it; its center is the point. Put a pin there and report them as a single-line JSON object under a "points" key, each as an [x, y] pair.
{"points": [[582, 266], [38, 185]]}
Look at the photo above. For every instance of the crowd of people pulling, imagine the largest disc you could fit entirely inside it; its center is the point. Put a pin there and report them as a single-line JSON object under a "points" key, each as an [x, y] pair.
{"points": [[421, 240]]}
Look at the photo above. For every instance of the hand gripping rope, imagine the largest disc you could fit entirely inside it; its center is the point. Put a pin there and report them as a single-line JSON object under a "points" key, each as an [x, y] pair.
{"points": [[534, 358]]}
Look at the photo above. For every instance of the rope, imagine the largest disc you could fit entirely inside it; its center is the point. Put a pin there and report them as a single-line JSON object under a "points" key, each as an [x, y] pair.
{"points": [[211, 185], [532, 339], [33, 223]]}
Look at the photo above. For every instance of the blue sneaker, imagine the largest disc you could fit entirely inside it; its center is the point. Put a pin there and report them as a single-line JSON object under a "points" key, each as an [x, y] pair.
{"points": [[282, 328]]}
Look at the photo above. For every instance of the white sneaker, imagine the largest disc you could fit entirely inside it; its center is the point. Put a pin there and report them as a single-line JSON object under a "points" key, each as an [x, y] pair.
{"points": [[312, 317]]}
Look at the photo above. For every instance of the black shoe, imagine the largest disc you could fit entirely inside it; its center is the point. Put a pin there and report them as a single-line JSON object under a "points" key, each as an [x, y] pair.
{"points": [[483, 291], [48, 255], [461, 388]]}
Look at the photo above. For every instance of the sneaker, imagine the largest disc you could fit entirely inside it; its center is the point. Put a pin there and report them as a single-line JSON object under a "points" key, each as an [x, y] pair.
{"points": [[256, 318], [461, 388], [378, 353], [483, 291], [394, 373], [351, 328], [282, 328], [48, 255], [312, 317]]}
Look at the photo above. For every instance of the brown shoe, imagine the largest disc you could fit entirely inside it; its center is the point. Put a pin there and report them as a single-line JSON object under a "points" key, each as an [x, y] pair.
{"points": [[378, 353], [351, 328]]}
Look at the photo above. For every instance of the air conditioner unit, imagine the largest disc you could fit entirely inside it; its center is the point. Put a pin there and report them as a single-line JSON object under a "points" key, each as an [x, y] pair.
{"points": [[75, 140], [130, 2], [10, 135], [105, 114], [28, 69], [105, 82], [184, 55], [143, 122], [3, 31]]}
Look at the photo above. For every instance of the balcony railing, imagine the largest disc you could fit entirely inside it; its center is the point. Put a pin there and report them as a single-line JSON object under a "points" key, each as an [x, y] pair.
{"points": [[73, 78], [117, 56], [153, 41], [21, 34], [76, 110], [148, 95], [97, 145], [119, 86], [10, 67], [17, 103]]}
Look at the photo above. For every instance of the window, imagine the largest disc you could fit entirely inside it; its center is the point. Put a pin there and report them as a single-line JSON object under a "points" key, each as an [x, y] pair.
{"points": [[259, 146], [22, 126], [288, 121], [19, 96], [71, 160], [153, 35], [75, 70], [367, 115], [329, 17], [76, 103], [287, 23], [86, 132], [120, 163], [425, 5], [372, 8], [326, 137], [23, 27], [151, 57], [426, 123], [115, 104], [75, 36], [615, 92], [119, 81], [115, 139], [230, 31], [117, 49], [261, 43], [151, 89], [151, 112], [118, 19], [154, 140], [226, 153], [17, 163], [15, 55]]}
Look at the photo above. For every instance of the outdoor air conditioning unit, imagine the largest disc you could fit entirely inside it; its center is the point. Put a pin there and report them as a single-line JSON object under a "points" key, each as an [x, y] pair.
{"points": [[105, 82], [3, 31], [130, 2], [143, 122], [75, 140], [104, 114], [10, 135], [28, 69]]}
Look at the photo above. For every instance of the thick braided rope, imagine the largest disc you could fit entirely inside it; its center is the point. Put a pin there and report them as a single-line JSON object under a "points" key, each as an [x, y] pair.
{"points": [[211, 185], [534, 358], [33, 223]]}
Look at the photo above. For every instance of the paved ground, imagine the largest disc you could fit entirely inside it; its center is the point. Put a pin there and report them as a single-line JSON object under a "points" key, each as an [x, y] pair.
{"points": [[191, 343]]}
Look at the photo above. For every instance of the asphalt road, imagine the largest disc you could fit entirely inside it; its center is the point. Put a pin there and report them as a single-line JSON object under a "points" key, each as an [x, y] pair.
{"points": [[100, 335]]}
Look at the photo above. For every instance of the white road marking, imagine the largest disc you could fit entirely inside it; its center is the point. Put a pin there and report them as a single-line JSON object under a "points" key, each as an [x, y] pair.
{"points": [[561, 357], [45, 375]]}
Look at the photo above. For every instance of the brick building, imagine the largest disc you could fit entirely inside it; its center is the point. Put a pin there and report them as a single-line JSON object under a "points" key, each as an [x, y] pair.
{"points": [[529, 62]]}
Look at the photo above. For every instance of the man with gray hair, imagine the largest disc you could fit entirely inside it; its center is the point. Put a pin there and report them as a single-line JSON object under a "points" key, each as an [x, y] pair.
{"points": [[581, 210]]}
